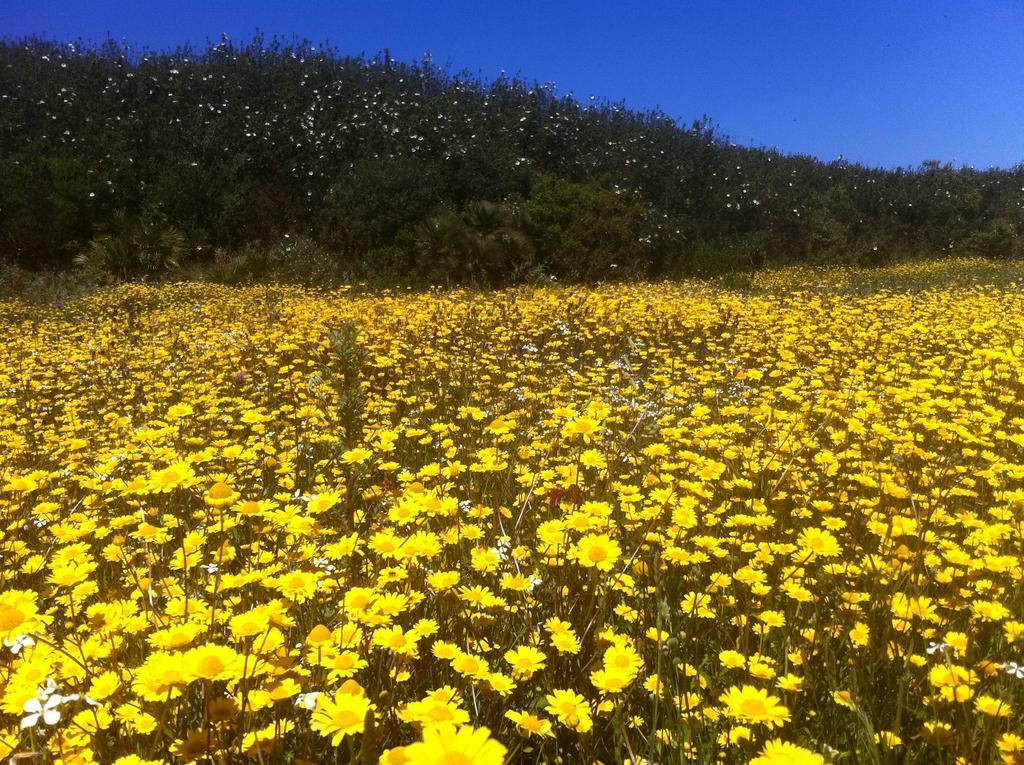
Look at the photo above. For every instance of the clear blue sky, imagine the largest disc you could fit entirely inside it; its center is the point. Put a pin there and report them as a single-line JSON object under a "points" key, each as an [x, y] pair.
{"points": [[885, 83]]}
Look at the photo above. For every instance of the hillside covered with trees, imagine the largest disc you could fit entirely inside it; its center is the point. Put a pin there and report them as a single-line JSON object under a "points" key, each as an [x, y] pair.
{"points": [[275, 159]]}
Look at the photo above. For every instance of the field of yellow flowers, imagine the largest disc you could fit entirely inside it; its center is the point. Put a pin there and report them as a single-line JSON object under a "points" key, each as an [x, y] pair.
{"points": [[645, 523]]}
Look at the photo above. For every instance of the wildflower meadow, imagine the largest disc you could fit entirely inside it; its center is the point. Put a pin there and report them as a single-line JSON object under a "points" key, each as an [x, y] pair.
{"points": [[770, 522]]}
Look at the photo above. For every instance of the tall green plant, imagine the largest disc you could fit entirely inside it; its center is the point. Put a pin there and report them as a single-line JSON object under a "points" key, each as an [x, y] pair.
{"points": [[131, 247]]}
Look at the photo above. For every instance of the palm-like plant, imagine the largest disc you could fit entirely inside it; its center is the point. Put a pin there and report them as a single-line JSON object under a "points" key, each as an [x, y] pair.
{"points": [[487, 244], [441, 244], [130, 247]]}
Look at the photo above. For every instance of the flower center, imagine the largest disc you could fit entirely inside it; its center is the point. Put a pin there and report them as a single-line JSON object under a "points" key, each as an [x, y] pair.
{"points": [[10, 618], [454, 758], [752, 707], [346, 718], [210, 666]]}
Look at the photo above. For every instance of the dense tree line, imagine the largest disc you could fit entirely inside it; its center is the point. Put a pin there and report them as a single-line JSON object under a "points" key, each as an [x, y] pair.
{"points": [[275, 157]]}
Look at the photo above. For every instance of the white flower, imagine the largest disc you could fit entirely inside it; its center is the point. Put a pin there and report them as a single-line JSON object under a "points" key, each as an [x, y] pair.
{"points": [[44, 708], [22, 641], [1015, 669], [324, 564]]}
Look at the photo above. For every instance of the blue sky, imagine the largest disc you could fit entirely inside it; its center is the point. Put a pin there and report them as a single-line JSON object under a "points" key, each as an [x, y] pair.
{"points": [[884, 83]]}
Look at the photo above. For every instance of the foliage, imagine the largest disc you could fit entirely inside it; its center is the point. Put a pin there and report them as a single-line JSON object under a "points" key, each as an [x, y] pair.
{"points": [[237, 145], [130, 248], [587, 231], [487, 244], [1000, 241], [289, 260], [43, 286]]}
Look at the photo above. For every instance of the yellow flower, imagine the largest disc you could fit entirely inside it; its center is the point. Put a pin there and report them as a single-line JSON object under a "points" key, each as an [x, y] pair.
{"points": [[597, 551], [955, 683], [221, 495], [162, 675], [19, 614], [319, 636], [790, 682], [529, 724], [754, 705], [356, 456], [180, 410], [782, 753], [298, 586], [396, 640], [500, 684], [439, 707], [565, 642], [570, 708], [342, 715], [732, 659], [321, 503], [448, 745], [817, 543], [844, 699], [611, 681], [250, 623], [888, 738], [394, 756], [1010, 744], [581, 427], [175, 636], [103, 685], [470, 665], [212, 662], [180, 474], [623, 658], [525, 660], [260, 743], [860, 634], [993, 707]]}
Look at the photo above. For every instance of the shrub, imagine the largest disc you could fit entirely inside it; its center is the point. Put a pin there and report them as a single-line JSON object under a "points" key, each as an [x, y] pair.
{"points": [[1000, 241], [289, 260], [585, 230]]}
